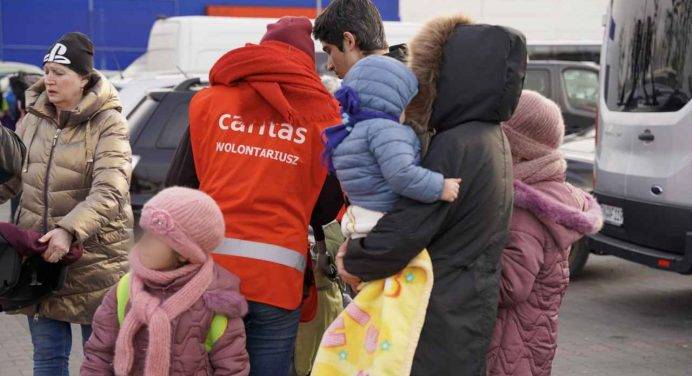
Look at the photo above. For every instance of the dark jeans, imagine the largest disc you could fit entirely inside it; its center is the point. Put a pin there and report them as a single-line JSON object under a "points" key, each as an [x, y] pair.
{"points": [[52, 341], [271, 337]]}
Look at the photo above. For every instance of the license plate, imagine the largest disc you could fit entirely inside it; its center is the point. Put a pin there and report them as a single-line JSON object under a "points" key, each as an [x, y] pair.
{"points": [[613, 215]]}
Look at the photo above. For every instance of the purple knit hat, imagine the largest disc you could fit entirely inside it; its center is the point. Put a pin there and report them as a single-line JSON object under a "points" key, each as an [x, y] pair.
{"points": [[536, 127], [187, 220]]}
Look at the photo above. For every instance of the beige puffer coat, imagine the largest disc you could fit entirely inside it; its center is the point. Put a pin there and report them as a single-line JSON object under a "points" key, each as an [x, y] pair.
{"points": [[76, 176]]}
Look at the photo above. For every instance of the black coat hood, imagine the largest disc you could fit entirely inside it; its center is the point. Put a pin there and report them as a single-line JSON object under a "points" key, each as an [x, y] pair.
{"points": [[467, 72]]}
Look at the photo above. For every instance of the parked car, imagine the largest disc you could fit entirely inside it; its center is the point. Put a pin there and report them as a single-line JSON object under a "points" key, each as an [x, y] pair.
{"points": [[572, 85], [643, 170], [11, 67], [133, 91], [579, 151], [157, 124]]}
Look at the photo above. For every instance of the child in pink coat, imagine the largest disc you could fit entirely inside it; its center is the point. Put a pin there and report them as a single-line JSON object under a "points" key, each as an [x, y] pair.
{"points": [[549, 216], [175, 292]]}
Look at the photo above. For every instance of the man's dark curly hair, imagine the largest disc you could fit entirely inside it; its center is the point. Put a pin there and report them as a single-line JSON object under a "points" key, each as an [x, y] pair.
{"points": [[359, 17]]}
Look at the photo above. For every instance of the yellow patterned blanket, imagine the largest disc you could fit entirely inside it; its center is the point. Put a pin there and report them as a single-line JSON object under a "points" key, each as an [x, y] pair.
{"points": [[377, 334]]}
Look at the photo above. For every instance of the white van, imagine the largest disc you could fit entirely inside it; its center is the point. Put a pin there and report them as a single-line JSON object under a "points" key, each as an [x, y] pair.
{"points": [[192, 44], [643, 170]]}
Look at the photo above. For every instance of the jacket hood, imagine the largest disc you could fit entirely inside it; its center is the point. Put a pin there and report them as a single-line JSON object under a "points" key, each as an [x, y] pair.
{"points": [[383, 84], [276, 71], [223, 296], [566, 211], [100, 97], [466, 72]]}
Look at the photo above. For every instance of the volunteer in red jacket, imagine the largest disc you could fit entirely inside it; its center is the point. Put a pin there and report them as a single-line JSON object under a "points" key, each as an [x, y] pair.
{"points": [[256, 144]]}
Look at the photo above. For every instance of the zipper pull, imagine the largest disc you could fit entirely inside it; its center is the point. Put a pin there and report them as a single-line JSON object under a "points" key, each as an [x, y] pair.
{"points": [[55, 138]]}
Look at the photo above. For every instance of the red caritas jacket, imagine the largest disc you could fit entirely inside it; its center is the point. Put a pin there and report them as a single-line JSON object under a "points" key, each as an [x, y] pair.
{"points": [[256, 142]]}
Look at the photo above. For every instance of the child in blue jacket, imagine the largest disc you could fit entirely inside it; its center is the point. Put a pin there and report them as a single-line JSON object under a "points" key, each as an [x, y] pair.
{"points": [[377, 159]]}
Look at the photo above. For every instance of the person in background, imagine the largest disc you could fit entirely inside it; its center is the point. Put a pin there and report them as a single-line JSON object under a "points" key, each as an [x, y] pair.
{"points": [[18, 85], [74, 182], [549, 216], [255, 147], [483, 69], [10, 165], [350, 30], [161, 325], [8, 107]]}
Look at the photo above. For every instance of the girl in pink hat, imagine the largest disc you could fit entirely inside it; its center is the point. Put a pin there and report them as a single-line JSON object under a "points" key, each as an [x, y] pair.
{"points": [[176, 313], [549, 215]]}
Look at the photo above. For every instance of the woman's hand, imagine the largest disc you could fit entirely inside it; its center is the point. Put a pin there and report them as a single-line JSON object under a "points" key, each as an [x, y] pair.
{"points": [[59, 242], [347, 277]]}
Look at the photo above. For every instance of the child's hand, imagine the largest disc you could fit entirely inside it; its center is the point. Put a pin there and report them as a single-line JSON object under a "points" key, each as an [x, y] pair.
{"points": [[450, 190]]}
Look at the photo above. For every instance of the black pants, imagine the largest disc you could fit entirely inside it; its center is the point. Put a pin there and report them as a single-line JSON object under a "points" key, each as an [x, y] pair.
{"points": [[14, 204]]}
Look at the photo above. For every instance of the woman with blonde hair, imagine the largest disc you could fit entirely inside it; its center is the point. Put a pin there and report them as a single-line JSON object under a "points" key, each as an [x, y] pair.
{"points": [[74, 183]]}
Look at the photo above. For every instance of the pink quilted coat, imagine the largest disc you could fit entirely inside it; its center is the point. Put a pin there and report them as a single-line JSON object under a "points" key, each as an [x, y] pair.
{"points": [[188, 355], [548, 217]]}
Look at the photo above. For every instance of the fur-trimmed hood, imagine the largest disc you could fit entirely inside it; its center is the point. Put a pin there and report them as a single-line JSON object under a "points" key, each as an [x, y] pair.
{"points": [[466, 72], [566, 211]]}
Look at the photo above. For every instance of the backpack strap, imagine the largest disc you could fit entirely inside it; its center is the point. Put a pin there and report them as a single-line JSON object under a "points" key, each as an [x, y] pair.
{"points": [[122, 296], [219, 323]]}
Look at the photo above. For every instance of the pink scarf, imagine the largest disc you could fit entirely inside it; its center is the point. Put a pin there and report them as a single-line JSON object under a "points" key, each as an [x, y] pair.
{"points": [[157, 315], [533, 161]]}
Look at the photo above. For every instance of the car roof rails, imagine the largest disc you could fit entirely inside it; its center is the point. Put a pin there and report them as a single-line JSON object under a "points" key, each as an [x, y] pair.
{"points": [[188, 84]]}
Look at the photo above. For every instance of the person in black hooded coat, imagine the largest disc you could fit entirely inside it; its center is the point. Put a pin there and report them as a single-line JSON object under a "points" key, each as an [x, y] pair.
{"points": [[471, 77], [9, 165]]}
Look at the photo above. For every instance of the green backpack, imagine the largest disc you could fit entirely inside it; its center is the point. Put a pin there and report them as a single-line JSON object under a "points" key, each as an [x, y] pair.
{"points": [[218, 322]]}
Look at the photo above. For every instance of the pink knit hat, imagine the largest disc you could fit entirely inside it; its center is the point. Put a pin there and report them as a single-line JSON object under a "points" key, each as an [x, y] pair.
{"points": [[538, 119], [187, 220], [535, 133]]}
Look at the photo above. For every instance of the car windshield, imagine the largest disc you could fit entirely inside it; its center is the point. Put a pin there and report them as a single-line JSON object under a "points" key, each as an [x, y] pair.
{"points": [[649, 56]]}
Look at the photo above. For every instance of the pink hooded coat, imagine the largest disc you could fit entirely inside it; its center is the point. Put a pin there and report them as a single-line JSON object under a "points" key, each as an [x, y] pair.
{"points": [[548, 217], [188, 355]]}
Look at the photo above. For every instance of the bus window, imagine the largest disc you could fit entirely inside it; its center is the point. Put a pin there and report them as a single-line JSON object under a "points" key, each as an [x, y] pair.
{"points": [[649, 56]]}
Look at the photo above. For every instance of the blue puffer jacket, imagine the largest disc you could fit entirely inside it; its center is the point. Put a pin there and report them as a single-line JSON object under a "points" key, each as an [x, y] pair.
{"points": [[380, 158]]}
